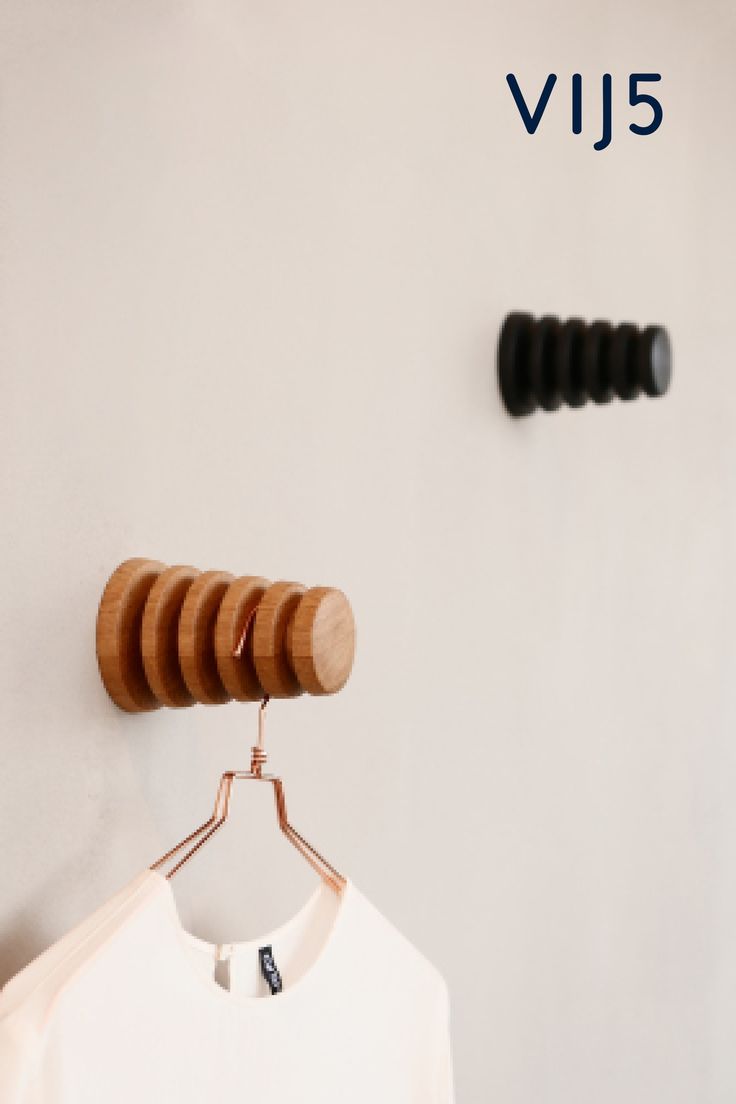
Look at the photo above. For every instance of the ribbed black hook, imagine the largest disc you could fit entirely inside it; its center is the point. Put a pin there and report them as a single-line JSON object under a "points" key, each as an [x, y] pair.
{"points": [[545, 362]]}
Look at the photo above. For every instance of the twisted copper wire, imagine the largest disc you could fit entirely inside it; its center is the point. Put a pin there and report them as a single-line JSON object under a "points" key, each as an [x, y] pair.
{"points": [[258, 754]]}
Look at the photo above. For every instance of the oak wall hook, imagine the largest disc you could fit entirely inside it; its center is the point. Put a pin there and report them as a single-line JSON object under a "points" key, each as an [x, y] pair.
{"points": [[545, 362], [176, 636]]}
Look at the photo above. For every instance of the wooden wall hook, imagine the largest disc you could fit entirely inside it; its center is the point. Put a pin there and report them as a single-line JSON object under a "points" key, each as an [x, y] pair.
{"points": [[169, 636]]}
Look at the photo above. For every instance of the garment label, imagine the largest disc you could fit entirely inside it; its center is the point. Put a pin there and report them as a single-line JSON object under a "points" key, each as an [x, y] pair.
{"points": [[269, 969], [222, 964]]}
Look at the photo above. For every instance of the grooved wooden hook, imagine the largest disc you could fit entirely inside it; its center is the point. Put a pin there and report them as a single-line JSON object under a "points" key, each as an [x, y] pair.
{"points": [[176, 636]]}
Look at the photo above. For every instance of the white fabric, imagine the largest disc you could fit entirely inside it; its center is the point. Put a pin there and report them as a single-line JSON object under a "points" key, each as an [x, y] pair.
{"points": [[125, 1009]]}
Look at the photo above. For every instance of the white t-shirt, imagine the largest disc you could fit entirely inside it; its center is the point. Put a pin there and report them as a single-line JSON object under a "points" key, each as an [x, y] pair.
{"points": [[127, 1009]]}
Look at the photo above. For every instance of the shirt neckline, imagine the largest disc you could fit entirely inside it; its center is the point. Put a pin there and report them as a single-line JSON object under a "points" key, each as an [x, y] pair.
{"points": [[316, 969]]}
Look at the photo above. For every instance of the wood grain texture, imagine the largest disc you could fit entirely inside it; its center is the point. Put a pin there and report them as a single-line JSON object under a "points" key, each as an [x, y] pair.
{"points": [[160, 635], [166, 636], [321, 640], [197, 637], [270, 656], [118, 634], [238, 673]]}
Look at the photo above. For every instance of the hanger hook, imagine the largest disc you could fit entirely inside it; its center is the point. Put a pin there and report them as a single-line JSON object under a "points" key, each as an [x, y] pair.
{"points": [[258, 753]]}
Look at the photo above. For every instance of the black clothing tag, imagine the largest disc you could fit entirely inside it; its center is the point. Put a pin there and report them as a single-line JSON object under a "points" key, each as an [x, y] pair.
{"points": [[269, 969]]}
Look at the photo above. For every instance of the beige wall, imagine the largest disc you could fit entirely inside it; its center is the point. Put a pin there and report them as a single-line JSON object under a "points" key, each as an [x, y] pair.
{"points": [[255, 259]]}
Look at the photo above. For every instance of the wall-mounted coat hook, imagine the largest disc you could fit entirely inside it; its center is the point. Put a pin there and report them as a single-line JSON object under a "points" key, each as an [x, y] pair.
{"points": [[545, 362], [175, 636]]}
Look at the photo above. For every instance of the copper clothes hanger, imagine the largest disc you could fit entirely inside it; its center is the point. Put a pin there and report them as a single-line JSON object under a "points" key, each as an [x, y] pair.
{"points": [[200, 836]]}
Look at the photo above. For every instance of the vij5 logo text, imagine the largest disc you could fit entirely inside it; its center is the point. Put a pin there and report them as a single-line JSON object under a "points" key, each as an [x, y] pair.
{"points": [[532, 118]]}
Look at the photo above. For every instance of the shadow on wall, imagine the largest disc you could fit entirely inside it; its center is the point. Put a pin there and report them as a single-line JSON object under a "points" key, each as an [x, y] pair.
{"points": [[24, 937]]}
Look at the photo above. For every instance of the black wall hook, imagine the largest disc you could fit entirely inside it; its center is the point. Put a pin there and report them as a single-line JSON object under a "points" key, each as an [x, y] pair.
{"points": [[544, 362]]}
